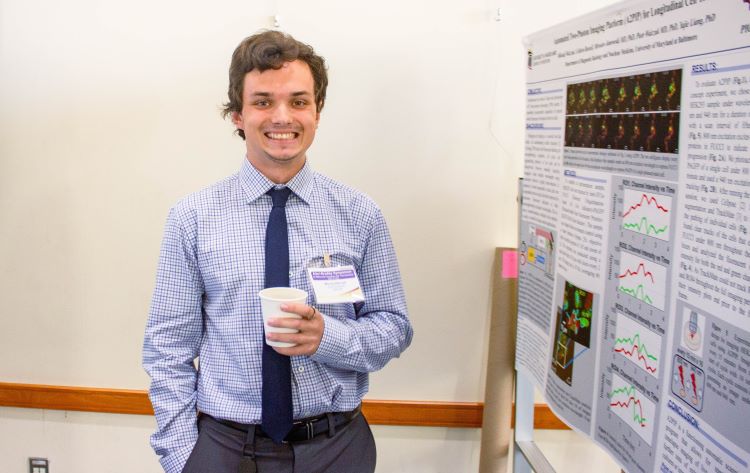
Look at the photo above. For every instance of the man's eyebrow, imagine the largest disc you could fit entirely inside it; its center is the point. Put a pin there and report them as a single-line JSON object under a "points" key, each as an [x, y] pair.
{"points": [[269, 94]]}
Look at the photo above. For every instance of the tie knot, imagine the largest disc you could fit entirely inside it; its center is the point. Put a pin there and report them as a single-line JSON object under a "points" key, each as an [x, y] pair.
{"points": [[279, 196]]}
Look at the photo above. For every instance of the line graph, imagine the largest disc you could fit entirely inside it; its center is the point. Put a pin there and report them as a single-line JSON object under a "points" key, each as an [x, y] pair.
{"points": [[647, 199], [646, 228], [640, 269], [632, 407], [647, 213], [638, 344], [644, 280]]}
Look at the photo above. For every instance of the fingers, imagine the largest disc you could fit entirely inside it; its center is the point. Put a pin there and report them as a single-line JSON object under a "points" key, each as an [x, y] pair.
{"points": [[299, 350], [303, 310], [309, 331], [311, 314], [302, 326], [287, 322]]}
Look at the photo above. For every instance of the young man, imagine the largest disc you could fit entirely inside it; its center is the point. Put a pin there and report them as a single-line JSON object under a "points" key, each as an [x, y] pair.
{"points": [[250, 407]]}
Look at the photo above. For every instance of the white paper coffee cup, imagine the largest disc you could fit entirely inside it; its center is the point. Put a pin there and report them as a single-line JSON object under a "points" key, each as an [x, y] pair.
{"points": [[271, 300]]}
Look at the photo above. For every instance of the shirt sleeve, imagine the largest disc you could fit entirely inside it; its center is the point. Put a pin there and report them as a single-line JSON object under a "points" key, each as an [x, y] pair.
{"points": [[381, 330], [171, 343]]}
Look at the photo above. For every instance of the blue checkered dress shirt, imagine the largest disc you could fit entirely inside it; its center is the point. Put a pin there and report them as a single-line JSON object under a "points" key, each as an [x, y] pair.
{"points": [[205, 304]]}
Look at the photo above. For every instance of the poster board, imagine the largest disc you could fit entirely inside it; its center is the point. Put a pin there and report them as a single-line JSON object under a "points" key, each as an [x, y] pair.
{"points": [[634, 289]]}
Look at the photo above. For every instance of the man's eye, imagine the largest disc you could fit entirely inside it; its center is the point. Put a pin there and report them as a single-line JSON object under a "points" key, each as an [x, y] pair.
{"points": [[262, 103], [299, 103]]}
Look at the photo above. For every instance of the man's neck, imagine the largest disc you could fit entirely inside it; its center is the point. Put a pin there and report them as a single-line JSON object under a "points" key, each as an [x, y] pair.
{"points": [[280, 174]]}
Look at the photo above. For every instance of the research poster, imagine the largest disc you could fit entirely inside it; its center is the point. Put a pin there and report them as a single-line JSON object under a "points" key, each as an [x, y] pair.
{"points": [[634, 289]]}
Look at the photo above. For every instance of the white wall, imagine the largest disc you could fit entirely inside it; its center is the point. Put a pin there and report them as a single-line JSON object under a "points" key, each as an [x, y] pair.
{"points": [[109, 114]]}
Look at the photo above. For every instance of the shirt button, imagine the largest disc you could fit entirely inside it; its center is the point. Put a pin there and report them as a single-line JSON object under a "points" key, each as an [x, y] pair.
{"points": [[301, 369]]}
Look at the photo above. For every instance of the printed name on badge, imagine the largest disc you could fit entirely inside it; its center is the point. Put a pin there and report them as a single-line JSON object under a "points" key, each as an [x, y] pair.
{"points": [[336, 285]]}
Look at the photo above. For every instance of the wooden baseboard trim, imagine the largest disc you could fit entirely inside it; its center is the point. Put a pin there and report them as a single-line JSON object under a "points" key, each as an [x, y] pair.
{"points": [[378, 412], [73, 398], [424, 413]]}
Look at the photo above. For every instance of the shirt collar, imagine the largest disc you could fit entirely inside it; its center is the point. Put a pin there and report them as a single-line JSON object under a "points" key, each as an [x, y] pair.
{"points": [[255, 184]]}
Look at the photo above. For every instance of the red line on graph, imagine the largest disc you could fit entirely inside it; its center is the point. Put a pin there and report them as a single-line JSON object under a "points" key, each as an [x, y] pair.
{"points": [[626, 404], [628, 272], [640, 357], [649, 200]]}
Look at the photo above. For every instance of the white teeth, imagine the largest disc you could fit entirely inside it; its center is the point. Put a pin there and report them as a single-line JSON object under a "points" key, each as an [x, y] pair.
{"points": [[281, 136]]}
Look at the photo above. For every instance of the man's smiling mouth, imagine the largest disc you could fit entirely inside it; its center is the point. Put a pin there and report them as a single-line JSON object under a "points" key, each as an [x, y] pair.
{"points": [[282, 136]]}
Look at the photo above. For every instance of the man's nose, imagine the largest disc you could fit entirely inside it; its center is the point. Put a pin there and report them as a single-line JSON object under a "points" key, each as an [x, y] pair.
{"points": [[281, 114]]}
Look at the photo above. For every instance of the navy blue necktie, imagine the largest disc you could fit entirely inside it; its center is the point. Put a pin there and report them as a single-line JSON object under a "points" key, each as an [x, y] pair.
{"points": [[276, 417]]}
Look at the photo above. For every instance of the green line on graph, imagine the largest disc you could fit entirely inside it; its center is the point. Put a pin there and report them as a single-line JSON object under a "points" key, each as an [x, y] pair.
{"points": [[644, 223], [636, 342], [627, 390], [638, 293]]}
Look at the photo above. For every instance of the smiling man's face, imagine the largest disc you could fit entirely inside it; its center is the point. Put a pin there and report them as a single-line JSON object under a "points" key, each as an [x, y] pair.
{"points": [[279, 118]]}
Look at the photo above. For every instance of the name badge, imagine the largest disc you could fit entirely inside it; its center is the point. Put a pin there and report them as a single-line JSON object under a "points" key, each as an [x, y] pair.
{"points": [[335, 285]]}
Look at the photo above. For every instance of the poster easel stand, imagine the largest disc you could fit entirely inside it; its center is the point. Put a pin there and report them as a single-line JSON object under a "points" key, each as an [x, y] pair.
{"points": [[527, 456]]}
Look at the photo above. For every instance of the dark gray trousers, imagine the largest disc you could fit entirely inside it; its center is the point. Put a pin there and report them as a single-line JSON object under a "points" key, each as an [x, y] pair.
{"points": [[219, 449]]}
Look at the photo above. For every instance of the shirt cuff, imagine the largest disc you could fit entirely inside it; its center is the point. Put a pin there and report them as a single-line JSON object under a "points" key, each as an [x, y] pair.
{"points": [[335, 342], [176, 460]]}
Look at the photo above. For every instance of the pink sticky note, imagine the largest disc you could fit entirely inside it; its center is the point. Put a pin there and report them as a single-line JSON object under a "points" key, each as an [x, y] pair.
{"points": [[510, 264]]}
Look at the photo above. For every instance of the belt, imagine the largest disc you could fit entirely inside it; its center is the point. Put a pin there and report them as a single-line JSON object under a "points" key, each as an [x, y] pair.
{"points": [[304, 429]]}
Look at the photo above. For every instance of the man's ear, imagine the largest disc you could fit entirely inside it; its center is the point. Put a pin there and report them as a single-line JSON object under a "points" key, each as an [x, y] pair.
{"points": [[237, 120]]}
